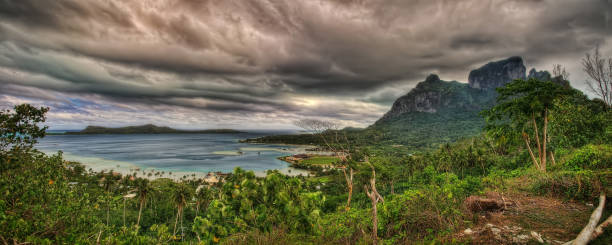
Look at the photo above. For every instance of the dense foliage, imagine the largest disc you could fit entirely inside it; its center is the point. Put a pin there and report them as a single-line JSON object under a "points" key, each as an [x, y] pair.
{"points": [[245, 202], [19, 130]]}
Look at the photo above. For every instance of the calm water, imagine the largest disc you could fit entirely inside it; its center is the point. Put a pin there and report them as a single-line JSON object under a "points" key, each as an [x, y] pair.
{"points": [[169, 152]]}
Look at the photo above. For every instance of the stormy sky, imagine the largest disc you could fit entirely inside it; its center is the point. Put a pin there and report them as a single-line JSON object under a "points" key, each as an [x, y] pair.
{"points": [[250, 64]]}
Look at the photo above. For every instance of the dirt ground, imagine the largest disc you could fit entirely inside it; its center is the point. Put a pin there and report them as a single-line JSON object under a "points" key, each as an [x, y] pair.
{"points": [[530, 220]]}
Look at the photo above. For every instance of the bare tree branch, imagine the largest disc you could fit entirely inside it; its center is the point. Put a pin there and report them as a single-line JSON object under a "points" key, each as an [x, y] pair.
{"points": [[600, 229], [559, 71], [599, 71], [339, 144]]}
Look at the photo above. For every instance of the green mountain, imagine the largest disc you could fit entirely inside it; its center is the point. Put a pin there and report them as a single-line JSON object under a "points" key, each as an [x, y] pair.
{"points": [[148, 129], [435, 111], [438, 111]]}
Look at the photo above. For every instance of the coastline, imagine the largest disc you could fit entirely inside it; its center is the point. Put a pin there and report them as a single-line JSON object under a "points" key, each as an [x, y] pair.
{"points": [[142, 168], [97, 165]]}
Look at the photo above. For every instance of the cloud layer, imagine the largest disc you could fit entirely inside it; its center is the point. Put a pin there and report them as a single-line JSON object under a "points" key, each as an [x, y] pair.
{"points": [[263, 64]]}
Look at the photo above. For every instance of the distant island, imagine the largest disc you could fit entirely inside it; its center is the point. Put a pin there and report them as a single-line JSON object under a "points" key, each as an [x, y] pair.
{"points": [[149, 129]]}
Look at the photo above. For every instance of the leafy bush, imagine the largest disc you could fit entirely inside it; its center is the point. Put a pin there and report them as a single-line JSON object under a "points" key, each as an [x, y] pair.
{"points": [[576, 121], [432, 209], [247, 202], [345, 227], [39, 205], [590, 157]]}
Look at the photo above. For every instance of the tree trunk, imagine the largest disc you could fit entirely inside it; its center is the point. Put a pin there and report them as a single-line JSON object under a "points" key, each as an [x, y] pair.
{"points": [[124, 211], [544, 136], [98, 239], [375, 197], [140, 212], [374, 222], [537, 137], [153, 211], [349, 184], [552, 158], [479, 204], [197, 208], [350, 195], [600, 229], [535, 161], [182, 230], [176, 220], [588, 231]]}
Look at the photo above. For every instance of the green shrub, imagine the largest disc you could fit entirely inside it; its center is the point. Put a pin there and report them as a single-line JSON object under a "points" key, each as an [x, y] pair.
{"points": [[247, 202], [346, 227], [430, 211], [590, 157], [38, 199]]}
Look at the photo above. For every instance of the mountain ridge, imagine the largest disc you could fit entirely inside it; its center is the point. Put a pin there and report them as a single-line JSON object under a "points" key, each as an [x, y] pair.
{"points": [[436, 111], [434, 94]]}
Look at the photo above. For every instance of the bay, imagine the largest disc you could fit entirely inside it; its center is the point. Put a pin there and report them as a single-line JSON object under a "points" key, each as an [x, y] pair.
{"points": [[182, 154]]}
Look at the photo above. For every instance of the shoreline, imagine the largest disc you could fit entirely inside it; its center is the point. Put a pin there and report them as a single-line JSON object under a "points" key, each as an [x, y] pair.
{"points": [[98, 165], [103, 164]]}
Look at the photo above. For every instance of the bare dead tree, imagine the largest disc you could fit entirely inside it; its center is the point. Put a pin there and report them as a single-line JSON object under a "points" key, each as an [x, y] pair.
{"points": [[318, 127], [599, 70], [373, 194], [559, 71], [600, 229], [338, 144], [591, 230], [349, 184]]}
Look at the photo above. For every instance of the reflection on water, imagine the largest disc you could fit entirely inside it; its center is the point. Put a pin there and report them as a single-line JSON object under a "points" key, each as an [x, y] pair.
{"points": [[170, 152]]}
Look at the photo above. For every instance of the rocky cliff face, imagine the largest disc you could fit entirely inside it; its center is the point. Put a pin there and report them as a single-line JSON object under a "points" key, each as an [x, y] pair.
{"points": [[433, 94], [540, 75], [497, 74], [421, 98]]}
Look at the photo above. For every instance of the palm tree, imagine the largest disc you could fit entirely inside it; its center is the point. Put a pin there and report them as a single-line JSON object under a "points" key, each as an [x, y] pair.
{"points": [[202, 196], [143, 189], [108, 183], [181, 195]]}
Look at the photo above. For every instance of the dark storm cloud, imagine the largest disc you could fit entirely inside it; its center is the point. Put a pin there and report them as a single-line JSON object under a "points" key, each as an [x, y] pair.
{"points": [[58, 14], [297, 58]]}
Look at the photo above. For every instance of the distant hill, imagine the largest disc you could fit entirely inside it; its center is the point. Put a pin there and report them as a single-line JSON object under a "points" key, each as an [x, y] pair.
{"points": [[149, 129]]}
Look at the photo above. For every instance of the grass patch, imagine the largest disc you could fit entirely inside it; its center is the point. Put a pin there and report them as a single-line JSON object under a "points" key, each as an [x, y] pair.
{"points": [[320, 160], [323, 179]]}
